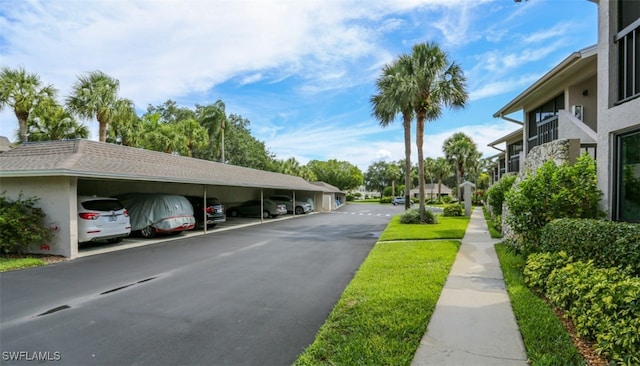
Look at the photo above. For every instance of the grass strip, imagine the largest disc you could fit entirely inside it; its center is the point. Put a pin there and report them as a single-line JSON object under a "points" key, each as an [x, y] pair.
{"points": [[384, 312], [495, 234], [446, 228], [8, 264], [546, 340]]}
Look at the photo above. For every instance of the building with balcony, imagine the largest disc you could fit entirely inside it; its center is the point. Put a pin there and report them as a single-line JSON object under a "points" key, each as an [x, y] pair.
{"points": [[592, 96]]}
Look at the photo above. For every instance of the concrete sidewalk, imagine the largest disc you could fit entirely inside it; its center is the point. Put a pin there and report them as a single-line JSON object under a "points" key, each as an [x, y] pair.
{"points": [[473, 323]]}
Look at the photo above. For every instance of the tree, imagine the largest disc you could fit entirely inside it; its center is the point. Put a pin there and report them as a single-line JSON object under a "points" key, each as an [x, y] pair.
{"points": [[392, 99], [341, 174], [52, 122], [392, 174], [95, 95], [429, 166], [22, 92], [441, 170], [434, 83], [375, 179], [195, 136], [127, 128], [242, 148], [459, 149], [214, 118]]}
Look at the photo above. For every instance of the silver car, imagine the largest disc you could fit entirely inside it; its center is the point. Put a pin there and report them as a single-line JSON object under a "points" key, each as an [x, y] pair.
{"points": [[253, 208], [301, 206]]}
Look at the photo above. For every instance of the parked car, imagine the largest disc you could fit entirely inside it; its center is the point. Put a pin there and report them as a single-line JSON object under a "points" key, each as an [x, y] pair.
{"points": [[252, 208], [214, 211], [102, 218], [153, 213], [400, 201], [301, 206]]}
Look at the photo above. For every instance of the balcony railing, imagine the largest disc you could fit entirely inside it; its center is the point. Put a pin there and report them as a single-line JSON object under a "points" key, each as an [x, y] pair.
{"points": [[547, 131], [629, 56]]}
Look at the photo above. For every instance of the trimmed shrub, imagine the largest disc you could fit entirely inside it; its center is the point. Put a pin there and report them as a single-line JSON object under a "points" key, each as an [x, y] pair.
{"points": [[454, 209], [386, 199], [553, 192], [607, 243], [496, 193], [412, 216], [446, 199], [22, 225], [603, 303]]}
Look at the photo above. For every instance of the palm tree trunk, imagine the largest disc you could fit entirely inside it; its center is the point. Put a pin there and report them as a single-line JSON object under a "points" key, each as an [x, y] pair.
{"points": [[407, 160], [419, 143], [22, 126], [103, 131]]}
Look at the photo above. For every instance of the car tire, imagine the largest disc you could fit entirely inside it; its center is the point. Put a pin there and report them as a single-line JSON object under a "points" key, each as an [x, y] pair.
{"points": [[266, 214], [148, 232], [299, 210]]}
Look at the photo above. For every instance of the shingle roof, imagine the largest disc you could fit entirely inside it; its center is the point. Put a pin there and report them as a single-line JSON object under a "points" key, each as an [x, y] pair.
{"points": [[92, 159]]}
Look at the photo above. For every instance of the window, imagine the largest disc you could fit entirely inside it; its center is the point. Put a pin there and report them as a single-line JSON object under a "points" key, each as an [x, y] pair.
{"points": [[627, 206], [628, 40]]}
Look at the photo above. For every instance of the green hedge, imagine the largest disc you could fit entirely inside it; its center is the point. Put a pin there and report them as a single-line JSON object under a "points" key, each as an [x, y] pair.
{"points": [[412, 216], [607, 243], [453, 209], [603, 303]]}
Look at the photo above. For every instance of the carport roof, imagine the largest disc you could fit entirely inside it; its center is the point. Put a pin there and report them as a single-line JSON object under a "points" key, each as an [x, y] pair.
{"points": [[92, 159]]}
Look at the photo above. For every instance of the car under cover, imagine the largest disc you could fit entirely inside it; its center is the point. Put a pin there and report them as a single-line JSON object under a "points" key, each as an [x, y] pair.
{"points": [[165, 212]]}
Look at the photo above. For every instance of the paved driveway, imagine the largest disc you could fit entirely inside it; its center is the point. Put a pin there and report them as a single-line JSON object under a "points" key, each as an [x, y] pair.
{"points": [[252, 296]]}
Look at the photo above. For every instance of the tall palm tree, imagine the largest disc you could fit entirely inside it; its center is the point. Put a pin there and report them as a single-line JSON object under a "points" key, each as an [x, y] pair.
{"points": [[196, 136], [95, 95], [22, 92], [459, 149], [126, 127], [435, 83], [429, 166], [214, 118], [393, 99], [441, 170]]}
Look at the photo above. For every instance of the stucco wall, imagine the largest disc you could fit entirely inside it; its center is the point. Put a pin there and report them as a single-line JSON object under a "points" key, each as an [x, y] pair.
{"points": [[612, 119], [58, 201]]}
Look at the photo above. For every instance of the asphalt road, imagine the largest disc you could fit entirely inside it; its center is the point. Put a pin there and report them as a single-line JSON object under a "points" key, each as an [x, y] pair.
{"points": [[252, 296]]}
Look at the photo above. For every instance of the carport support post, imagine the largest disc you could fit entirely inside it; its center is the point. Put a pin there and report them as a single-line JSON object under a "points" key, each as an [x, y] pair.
{"points": [[294, 203], [204, 204], [261, 205], [466, 186]]}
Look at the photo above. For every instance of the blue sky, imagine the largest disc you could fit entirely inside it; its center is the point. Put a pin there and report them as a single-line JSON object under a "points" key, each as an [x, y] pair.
{"points": [[301, 71]]}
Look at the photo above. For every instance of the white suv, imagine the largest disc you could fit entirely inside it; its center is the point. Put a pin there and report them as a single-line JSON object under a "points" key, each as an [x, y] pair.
{"points": [[102, 218]]}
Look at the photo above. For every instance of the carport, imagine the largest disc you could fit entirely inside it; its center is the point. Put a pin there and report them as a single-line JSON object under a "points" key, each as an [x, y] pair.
{"points": [[58, 171]]}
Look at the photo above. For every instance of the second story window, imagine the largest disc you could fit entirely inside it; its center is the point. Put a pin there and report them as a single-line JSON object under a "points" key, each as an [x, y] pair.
{"points": [[628, 40]]}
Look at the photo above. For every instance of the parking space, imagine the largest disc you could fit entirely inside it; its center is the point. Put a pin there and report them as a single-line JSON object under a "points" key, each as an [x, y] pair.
{"points": [[88, 249]]}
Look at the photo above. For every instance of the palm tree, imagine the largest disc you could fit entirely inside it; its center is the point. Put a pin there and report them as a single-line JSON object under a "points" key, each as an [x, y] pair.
{"points": [[393, 99], [214, 118], [52, 122], [195, 135], [95, 95], [459, 149], [22, 92], [429, 166], [441, 170], [126, 127], [435, 83]]}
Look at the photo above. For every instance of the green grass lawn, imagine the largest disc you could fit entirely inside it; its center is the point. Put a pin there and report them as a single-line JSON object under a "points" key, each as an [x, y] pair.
{"points": [[446, 228], [546, 340], [495, 234], [8, 264], [383, 313]]}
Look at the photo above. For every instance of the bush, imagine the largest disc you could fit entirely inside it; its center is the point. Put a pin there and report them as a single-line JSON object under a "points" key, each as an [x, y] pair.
{"points": [[454, 209], [21, 225], [607, 243], [553, 192], [496, 193], [604, 303], [412, 216], [350, 198], [446, 199], [385, 199]]}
